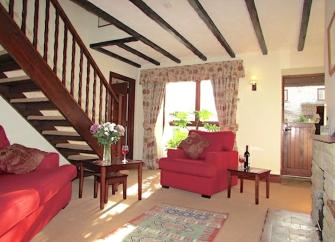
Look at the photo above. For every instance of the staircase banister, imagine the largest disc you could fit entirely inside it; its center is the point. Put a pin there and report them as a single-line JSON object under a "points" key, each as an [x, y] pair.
{"points": [[73, 31], [44, 77]]}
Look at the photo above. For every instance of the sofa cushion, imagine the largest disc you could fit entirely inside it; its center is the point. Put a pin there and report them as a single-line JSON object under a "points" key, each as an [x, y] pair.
{"points": [[188, 166], [18, 159], [4, 142], [15, 206], [218, 141], [193, 145], [46, 183]]}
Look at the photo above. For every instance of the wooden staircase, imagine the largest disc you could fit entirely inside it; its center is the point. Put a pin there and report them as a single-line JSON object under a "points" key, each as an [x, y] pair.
{"points": [[56, 129], [60, 95]]}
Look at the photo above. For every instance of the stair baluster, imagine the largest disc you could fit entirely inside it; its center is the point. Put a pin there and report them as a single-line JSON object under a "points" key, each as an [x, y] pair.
{"points": [[46, 30], [36, 14]]}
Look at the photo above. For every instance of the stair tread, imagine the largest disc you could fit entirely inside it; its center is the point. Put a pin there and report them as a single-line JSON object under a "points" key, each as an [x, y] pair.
{"points": [[74, 146], [82, 157], [13, 79], [3, 52], [60, 133], [29, 100], [42, 117]]}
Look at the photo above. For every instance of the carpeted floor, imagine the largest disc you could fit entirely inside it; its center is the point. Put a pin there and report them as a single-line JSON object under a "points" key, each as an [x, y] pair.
{"points": [[82, 220]]}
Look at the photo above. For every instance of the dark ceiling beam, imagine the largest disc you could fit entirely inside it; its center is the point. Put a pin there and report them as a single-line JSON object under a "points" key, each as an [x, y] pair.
{"points": [[113, 42], [116, 56], [210, 24], [161, 22], [140, 54], [257, 26], [304, 23], [109, 18]]}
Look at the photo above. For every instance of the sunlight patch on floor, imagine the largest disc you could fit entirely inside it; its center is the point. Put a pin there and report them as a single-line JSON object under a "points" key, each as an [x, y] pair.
{"points": [[113, 209], [120, 234], [87, 235], [147, 185]]}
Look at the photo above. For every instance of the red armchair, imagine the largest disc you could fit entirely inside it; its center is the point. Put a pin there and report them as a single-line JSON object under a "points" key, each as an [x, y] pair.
{"points": [[208, 174]]}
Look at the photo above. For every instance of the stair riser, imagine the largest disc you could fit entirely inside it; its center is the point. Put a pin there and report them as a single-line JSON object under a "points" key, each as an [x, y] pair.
{"points": [[8, 64], [13, 95], [48, 124], [66, 153], [35, 106], [61, 139], [23, 87], [76, 150], [4, 91]]}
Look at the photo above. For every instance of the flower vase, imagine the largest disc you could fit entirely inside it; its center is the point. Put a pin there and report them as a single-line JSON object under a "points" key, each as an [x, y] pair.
{"points": [[107, 155]]}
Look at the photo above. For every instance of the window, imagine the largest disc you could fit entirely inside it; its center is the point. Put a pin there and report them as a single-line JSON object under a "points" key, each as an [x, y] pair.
{"points": [[180, 97], [189, 97], [207, 99], [186, 97]]}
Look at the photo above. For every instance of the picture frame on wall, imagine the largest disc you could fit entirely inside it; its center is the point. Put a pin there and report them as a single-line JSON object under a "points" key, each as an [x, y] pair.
{"points": [[321, 94], [331, 45]]}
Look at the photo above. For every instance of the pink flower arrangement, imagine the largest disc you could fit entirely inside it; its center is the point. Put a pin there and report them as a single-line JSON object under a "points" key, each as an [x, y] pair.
{"points": [[107, 133], [94, 128]]}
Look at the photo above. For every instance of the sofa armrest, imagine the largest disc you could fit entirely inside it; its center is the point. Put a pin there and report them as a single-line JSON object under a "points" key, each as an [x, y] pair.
{"points": [[175, 153], [223, 159], [50, 161]]}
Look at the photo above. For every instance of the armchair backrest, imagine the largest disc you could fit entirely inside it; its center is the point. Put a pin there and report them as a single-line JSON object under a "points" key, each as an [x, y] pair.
{"points": [[218, 141], [4, 142]]}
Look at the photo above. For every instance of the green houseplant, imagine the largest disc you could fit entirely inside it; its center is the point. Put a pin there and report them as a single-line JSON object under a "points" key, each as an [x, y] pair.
{"points": [[180, 122]]}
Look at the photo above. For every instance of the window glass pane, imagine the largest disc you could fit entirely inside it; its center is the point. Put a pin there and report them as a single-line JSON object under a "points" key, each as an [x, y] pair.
{"points": [[207, 99], [180, 97]]}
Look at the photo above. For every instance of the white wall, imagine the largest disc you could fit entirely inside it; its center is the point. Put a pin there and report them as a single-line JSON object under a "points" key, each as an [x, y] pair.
{"points": [[258, 113], [330, 80], [18, 130]]}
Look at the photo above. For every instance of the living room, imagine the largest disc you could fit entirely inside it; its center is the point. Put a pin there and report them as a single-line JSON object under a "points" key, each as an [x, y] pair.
{"points": [[266, 60]]}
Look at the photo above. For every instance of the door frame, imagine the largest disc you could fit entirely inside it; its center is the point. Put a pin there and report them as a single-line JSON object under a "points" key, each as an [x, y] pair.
{"points": [[314, 79], [131, 107]]}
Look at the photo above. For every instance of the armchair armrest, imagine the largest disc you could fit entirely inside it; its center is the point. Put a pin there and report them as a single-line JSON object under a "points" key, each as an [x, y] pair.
{"points": [[175, 153], [50, 161], [223, 159]]}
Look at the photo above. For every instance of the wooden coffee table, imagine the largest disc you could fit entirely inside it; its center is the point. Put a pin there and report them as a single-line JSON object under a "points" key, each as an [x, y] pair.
{"points": [[104, 168], [252, 173]]}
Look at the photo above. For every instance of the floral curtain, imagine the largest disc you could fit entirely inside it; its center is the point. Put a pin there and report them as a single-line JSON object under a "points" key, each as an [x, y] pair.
{"points": [[224, 77], [153, 94]]}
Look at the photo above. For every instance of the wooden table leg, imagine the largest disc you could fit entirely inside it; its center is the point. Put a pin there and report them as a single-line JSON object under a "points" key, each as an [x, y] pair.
{"points": [[257, 189], [241, 185], [102, 186], [106, 192], [139, 181], [267, 185], [81, 179], [229, 183]]}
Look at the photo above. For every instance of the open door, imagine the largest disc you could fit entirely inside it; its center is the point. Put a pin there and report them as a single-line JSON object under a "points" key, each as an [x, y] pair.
{"points": [[124, 87], [302, 116]]}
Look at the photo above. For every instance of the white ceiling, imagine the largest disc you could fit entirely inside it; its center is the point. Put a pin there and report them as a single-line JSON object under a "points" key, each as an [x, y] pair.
{"points": [[280, 22]]}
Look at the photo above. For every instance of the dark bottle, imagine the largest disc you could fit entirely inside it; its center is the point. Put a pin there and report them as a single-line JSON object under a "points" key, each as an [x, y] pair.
{"points": [[246, 158]]}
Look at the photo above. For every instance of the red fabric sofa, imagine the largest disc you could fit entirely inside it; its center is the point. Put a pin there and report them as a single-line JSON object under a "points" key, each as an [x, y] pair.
{"points": [[29, 201], [206, 176]]}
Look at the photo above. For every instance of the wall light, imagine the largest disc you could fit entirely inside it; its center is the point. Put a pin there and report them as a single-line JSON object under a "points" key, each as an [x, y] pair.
{"points": [[253, 83]]}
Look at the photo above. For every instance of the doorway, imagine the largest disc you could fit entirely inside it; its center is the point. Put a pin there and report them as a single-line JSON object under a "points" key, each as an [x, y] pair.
{"points": [[124, 87], [303, 114]]}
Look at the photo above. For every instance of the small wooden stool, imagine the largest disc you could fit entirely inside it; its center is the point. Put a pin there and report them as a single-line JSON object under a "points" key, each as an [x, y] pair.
{"points": [[114, 179]]}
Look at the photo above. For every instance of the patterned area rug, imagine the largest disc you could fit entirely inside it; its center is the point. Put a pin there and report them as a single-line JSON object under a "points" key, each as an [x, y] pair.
{"points": [[169, 223]]}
